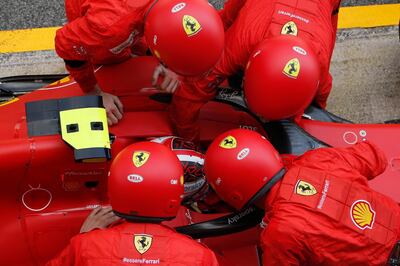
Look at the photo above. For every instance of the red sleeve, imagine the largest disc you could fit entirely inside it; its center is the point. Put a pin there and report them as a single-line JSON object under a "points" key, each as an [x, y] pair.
{"points": [[69, 40], [230, 11], [210, 259], [69, 256], [69, 45], [84, 76], [187, 101], [324, 90], [282, 246], [335, 15], [366, 158], [335, 18], [140, 47]]}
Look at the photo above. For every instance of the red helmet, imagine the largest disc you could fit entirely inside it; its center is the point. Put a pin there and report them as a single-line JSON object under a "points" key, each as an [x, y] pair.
{"points": [[187, 36], [281, 78], [192, 160], [146, 182], [242, 166]]}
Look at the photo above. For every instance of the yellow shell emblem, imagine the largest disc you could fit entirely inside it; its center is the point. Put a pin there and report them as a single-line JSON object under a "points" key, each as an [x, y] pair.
{"points": [[139, 158], [305, 189], [290, 28], [362, 214], [191, 25], [292, 68], [142, 242], [228, 142]]}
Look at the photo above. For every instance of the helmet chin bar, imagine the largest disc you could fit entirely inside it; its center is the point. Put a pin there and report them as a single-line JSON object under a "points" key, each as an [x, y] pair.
{"points": [[264, 190], [142, 219]]}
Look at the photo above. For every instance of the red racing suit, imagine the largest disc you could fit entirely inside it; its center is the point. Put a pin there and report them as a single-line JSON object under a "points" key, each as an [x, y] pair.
{"points": [[100, 32], [247, 23], [324, 213], [134, 244]]}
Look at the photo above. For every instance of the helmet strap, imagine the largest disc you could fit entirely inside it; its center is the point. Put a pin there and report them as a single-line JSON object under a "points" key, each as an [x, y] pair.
{"points": [[266, 188], [149, 9]]}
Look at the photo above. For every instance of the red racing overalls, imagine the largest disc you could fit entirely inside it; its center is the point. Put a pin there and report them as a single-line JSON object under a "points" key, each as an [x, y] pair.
{"points": [[324, 213], [100, 32], [134, 244], [247, 23]]}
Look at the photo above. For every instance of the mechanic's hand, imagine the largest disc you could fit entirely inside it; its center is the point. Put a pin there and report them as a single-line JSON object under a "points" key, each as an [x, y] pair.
{"points": [[112, 104], [114, 107], [99, 218], [170, 81]]}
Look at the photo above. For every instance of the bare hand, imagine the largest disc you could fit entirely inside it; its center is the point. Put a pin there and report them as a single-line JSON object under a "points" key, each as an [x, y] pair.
{"points": [[112, 104], [170, 82], [114, 108], [99, 218]]}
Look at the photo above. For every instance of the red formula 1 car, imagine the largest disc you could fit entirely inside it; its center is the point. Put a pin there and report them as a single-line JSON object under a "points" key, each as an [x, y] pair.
{"points": [[49, 185]]}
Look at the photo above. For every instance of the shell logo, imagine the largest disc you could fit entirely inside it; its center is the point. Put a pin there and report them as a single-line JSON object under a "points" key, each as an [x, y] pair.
{"points": [[362, 214]]}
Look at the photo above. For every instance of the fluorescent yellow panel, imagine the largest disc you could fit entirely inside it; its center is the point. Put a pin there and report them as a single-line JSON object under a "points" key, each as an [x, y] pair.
{"points": [[85, 138]]}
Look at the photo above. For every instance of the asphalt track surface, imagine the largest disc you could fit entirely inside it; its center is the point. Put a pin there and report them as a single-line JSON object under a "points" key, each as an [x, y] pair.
{"points": [[365, 66]]}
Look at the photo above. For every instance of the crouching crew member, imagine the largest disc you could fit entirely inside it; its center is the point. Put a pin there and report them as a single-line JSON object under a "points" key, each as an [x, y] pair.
{"points": [[319, 209], [145, 187]]}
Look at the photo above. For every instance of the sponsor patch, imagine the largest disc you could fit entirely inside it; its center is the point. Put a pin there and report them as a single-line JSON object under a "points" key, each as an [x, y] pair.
{"points": [[228, 142], [285, 13], [243, 154], [139, 158], [299, 50], [304, 188], [142, 242], [178, 7], [292, 68], [135, 178], [141, 261], [290, 28], [191, 25], [362, 214]]}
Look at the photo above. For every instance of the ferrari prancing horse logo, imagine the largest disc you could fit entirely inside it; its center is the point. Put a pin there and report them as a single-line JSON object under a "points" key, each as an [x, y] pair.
{"points": [[290, 28], [228, 142], [142, 242], [292, 68], [191, 25], [139, 158], [304, 188]]}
